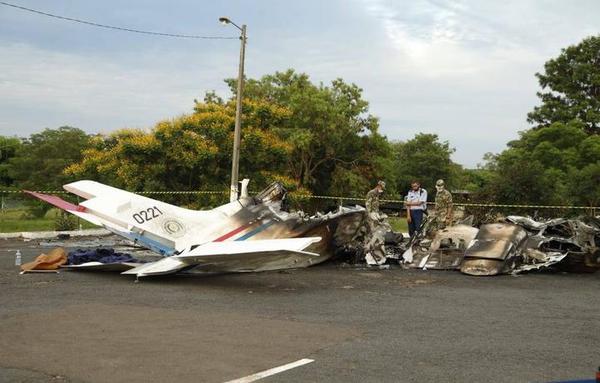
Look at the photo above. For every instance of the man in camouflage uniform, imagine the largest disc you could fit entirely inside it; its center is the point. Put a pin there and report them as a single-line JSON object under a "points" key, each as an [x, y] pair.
{"points": [[443, 207], [377, 226], [372, 200]]}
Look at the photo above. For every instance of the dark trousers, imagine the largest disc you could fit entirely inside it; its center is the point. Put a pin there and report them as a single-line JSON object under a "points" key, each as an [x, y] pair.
{"points": [[416, 217]]}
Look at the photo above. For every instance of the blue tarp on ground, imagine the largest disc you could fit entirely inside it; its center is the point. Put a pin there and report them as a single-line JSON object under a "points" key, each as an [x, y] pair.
{"points": [[101, 255]]}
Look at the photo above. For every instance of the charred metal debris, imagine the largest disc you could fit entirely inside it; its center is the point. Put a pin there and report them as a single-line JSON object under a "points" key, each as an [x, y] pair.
{"points": [[215, 240], [515, 245]]}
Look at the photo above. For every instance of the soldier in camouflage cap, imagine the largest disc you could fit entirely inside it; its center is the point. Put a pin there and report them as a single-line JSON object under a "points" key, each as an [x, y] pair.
{"points": [[443, 207], [376, 225], [372, 200]]}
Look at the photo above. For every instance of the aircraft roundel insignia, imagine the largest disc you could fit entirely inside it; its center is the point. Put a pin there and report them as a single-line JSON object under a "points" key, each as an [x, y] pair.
{"points": [[174, 228]]}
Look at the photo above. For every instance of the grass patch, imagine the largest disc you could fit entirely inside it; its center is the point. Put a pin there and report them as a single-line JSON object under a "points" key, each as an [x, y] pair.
{"points": [[15, 220], [398, 224]]}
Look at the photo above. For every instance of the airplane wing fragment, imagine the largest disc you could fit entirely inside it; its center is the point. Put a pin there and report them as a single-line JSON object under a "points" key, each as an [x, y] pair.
{"points": [[258, 255]]}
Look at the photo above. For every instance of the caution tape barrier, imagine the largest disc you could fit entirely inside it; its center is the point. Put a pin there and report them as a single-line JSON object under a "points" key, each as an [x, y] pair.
{"points": [[336, 198], [140, 192], [458, 203]]}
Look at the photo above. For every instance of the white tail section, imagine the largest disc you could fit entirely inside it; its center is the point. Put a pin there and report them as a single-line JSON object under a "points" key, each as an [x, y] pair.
{"points": [[157, 225]]}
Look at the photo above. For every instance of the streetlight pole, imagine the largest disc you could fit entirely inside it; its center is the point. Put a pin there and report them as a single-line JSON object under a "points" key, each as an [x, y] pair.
{"points": [[235, 158]]}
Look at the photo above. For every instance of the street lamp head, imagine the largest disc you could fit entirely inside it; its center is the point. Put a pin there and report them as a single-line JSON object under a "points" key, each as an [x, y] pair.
{"points": [[226, 20]]}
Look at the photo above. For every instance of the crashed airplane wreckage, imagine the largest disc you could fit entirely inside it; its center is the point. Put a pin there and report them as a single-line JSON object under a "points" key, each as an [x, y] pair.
{"points": [[517, 245], [246, 235], [254, 234]]}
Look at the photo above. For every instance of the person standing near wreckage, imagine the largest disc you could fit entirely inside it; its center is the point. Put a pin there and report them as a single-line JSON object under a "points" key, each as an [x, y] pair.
{"points": [[443, 206], [416, 204], [372, 200], [374, 243], [372, 205]]}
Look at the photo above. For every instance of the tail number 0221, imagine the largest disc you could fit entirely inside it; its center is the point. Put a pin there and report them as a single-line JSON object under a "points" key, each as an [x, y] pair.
{"points": [[147, 215]]}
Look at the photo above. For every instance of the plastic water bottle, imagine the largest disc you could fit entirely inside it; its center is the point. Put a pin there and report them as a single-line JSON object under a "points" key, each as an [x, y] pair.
{"points": [[18, 258]]}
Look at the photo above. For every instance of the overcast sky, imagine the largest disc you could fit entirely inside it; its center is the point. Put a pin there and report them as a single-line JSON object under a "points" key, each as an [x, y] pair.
{"points": [[461, 69]]}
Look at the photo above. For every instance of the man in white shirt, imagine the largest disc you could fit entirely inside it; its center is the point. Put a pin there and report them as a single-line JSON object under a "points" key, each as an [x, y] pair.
{"points": [[416, 203]]}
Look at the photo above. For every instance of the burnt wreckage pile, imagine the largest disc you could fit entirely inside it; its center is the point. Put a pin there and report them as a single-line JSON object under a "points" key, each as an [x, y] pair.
{"points": [[213, 240], [519, 244], [369, 239]]}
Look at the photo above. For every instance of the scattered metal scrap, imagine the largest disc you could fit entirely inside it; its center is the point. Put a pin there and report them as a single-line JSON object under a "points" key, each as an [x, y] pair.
{"points": [[520, 244], [444, 252], [570, 244], [368, 239]]}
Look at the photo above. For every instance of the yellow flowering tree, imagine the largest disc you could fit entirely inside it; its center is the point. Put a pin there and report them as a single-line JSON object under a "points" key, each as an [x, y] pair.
{"points": [[190, 152]]}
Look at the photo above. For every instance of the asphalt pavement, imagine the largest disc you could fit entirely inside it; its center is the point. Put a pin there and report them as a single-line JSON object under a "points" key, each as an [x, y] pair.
{"points": [[356, 324]]}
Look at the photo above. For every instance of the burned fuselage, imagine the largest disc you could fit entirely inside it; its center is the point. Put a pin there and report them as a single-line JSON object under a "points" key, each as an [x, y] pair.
{"points": [[495, 249], [444, 252], [518, 245], [568, 244]]}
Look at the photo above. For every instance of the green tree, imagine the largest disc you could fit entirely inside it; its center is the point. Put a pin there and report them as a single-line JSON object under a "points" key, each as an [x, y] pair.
{"points": [[9, 146], [336, 147], [584, 185], [558, 160], [190, 152], [311, 137], [426, 159], [571, 87], [545, 166], [40, 160], [477, 179]]}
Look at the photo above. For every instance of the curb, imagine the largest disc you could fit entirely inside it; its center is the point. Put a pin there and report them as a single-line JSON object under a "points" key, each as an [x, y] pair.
{"points": [[28, 235]]}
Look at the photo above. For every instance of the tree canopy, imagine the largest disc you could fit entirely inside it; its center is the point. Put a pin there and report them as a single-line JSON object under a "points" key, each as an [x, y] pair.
{"points": [[335, 143], [9, 147], [571, 87], [190, 152], [558, 160], [313, 138], [425, 159], [544, 165], [40, 160]]}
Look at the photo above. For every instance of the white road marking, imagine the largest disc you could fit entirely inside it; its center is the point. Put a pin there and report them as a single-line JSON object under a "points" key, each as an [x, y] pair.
{"points": [[272, 371]]}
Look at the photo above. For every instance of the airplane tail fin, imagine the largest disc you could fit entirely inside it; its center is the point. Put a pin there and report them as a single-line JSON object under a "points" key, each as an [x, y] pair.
{"points": [[151, 223], [60, 203]]}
